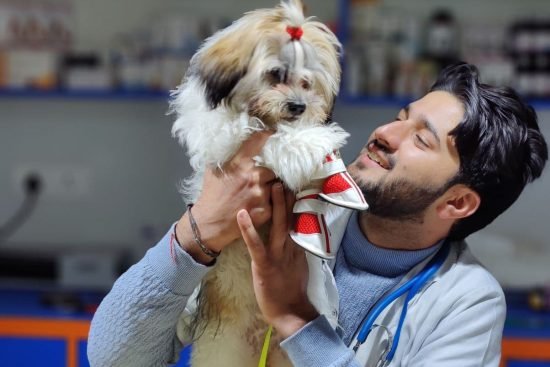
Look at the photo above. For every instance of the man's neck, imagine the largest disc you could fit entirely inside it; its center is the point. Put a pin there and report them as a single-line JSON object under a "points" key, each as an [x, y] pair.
{"points": [[399, 234]]}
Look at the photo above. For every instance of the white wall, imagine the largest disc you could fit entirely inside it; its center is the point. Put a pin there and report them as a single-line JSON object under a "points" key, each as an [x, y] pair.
{"points": [[135, 165]]}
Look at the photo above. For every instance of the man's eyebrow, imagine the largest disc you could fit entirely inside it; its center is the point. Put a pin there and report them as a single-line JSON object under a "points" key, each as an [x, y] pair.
{"points": [[425, 124]]}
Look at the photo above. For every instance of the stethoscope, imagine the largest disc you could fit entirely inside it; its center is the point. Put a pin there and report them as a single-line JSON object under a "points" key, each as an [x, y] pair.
{"points": [[411, 287]]}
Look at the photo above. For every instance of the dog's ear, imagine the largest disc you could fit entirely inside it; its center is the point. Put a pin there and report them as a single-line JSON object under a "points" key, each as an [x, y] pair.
{"points": [[219, 80], [224, 58], [220, 65]]}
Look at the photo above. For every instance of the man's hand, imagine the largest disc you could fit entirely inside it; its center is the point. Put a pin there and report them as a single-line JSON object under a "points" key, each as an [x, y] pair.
{"points": [[240, 185], [279, 269]]}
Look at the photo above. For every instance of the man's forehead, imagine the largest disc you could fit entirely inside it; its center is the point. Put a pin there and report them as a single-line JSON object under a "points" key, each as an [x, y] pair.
{"points": [[441, 109]]}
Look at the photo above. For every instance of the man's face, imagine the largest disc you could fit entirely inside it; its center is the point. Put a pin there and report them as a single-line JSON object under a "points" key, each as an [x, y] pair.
{"points": [[407, 163]]}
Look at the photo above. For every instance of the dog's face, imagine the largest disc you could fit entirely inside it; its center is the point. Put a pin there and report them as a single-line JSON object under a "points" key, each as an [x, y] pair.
{"points": [[273, 64], [284, 82]]}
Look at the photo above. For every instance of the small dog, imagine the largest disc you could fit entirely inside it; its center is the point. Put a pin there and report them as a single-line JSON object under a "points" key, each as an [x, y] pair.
{"points": [[272, 69]]}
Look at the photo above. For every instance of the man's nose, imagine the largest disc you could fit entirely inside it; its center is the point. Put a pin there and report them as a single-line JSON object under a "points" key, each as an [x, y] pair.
{"points": [[391, 134]]}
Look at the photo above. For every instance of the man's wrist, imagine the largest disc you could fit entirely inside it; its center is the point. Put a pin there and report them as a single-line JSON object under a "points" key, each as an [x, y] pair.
{"points": [[184, 237], [288, 325]]}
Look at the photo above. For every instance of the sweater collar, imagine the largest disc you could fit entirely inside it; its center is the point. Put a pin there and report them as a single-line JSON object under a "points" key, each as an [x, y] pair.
{"points": [[361, 254]]}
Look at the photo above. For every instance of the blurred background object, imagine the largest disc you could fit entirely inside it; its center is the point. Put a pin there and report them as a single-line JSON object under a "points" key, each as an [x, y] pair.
{"points": [[89, 171], [39, 50], [32, 36], [402, 45]]}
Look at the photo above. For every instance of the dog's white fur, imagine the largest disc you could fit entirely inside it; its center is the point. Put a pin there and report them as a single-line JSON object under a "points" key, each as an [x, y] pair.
{"points": [[241, 80]]}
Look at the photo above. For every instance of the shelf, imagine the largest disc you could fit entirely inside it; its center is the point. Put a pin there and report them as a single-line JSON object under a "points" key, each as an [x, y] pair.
{"points": [[142, 94], [374, 101], [117, 94], [539, 103], [389, 101]]}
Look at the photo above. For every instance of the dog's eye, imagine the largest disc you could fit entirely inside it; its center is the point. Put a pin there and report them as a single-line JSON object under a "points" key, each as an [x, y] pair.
{"points": [[275, 75], [305, 84]]}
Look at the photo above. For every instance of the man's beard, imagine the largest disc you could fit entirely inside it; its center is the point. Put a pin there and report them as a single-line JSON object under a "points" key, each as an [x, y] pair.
{"points": [[400, 199]]}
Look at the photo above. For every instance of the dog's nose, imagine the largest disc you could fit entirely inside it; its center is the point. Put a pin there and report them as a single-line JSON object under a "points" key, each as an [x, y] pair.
{"points": [[296, 109]]}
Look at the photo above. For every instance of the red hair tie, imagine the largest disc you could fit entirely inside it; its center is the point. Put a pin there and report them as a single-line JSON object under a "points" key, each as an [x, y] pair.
{"points": [[295, 32]]}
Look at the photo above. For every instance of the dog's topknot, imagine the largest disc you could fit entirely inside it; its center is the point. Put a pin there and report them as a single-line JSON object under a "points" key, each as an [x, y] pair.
{"points": [[294, 12]]}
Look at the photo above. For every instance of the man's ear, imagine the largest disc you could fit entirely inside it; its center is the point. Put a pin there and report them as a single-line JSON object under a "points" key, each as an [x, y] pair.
{"points": [[458, 202]]}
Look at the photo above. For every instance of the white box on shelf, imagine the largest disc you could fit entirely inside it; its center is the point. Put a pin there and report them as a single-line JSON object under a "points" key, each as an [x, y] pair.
{"points": [[25, 68], [83, 78]]}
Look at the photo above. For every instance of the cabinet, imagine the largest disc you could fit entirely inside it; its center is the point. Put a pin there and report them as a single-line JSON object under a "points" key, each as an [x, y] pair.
{"points": [[33, 341], [34, 334], [525, 352], [526, 341]]}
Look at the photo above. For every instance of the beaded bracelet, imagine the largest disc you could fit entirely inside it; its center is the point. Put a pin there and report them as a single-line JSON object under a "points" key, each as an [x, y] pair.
{"points": [[197, 235]]}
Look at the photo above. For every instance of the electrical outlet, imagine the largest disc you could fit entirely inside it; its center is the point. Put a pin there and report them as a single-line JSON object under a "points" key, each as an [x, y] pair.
{"points": [[59, 182]]}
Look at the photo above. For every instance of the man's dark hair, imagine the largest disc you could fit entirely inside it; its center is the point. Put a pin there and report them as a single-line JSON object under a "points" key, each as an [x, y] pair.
{"points": [[499, 143]]}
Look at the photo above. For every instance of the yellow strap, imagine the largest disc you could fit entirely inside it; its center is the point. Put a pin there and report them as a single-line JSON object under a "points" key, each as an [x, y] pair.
{"points": [[265, 348]]}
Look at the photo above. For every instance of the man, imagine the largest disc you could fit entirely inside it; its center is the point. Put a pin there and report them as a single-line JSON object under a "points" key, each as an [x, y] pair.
{"points": [[447, 166]]}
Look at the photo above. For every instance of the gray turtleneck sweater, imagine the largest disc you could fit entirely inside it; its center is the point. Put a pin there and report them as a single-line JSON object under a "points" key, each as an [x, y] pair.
{"points": [[153, 293]]}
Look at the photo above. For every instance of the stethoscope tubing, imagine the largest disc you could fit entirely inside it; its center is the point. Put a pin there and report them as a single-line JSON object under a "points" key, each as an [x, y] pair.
{"points": [[412, 286]]}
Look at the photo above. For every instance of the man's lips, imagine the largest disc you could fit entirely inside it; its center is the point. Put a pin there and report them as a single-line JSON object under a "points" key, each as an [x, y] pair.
{"points": [[375, 155]]}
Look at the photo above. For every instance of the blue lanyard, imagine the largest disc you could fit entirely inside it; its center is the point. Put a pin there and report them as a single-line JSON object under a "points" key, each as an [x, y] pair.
{"points": [[412, 286]]}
